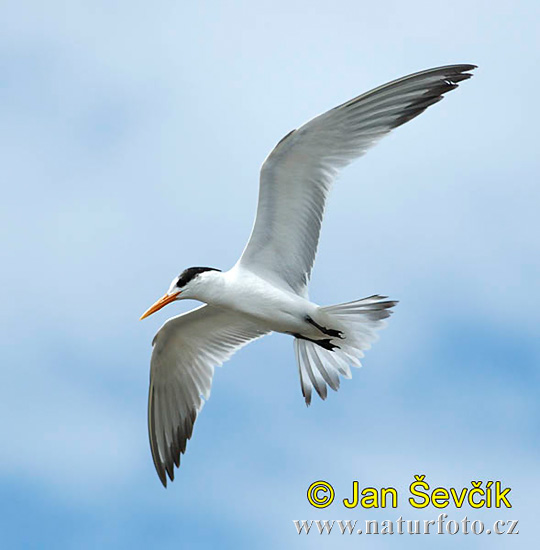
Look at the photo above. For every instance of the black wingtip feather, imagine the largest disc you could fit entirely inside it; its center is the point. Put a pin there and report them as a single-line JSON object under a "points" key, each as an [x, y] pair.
{"points": [[153, 444], [450, 76], [170, 470]]}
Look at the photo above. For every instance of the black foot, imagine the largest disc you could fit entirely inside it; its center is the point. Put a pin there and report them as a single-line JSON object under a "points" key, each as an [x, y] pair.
{"points": [[328, 331], [334, 333], [325, 343]]}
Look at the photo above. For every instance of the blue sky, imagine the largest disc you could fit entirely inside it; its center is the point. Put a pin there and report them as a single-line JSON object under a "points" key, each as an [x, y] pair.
{"points": [[131, 140]]}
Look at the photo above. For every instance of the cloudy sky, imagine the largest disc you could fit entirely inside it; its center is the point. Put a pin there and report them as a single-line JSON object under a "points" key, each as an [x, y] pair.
{"points": [[131, 139]]}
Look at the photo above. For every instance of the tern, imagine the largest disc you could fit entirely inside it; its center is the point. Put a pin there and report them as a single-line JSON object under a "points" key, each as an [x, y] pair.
{"points": [[266, 290]]}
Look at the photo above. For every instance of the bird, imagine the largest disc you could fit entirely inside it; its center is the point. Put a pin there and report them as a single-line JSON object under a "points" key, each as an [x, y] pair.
{"points": [[267, 289]]}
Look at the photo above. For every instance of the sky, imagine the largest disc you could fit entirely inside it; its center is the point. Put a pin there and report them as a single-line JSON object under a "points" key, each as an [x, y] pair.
{"points": [[131, 139]]}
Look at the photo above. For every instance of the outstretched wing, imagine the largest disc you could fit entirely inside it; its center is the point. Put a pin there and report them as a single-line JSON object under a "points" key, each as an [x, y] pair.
{"points": [[186, 350], [298, 174]]}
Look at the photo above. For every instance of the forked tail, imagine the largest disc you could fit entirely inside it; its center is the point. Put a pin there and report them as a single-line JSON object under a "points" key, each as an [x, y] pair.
{"points": [[358, 322]]}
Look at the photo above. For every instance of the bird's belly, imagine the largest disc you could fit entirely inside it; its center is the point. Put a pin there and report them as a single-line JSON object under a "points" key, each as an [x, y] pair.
{"points": [[280, 320], [272, 308], [275, 313]]}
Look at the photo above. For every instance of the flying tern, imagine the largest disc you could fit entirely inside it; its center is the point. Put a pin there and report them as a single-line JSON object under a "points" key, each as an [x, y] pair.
{"points": [[266, 290]]}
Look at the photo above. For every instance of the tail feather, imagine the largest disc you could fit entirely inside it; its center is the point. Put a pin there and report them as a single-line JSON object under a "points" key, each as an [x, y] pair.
{"points": [[314, 378], [358, 321], [331, 377]]}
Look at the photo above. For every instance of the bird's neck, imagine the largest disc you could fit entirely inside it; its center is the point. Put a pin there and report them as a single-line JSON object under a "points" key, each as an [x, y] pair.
{"points": [[211, 288]]}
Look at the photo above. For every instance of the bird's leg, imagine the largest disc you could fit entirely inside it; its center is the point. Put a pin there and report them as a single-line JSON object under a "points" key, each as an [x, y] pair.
{"points": [[325, 343], [328, 331]]}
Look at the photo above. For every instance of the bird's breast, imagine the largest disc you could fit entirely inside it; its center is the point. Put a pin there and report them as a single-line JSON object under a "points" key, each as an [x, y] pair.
{"points": [[275, 309]]}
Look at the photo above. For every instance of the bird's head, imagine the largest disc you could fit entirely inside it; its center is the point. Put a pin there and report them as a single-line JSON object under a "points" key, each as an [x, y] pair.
{"points": [[186, 285]]}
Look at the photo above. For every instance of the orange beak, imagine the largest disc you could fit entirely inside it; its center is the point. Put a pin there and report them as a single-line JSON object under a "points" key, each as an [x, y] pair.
{"points": [[167, 299]]}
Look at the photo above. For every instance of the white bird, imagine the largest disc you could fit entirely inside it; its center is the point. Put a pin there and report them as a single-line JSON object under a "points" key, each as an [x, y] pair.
{"points": [[266, 291]]}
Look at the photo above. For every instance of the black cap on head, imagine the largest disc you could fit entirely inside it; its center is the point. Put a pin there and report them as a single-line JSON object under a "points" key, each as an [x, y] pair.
{"points": [[190, 273]]}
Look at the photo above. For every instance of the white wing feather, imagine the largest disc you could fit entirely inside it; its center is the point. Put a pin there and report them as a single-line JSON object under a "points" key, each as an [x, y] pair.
{"points": [[186, 350], [297, 175]]}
